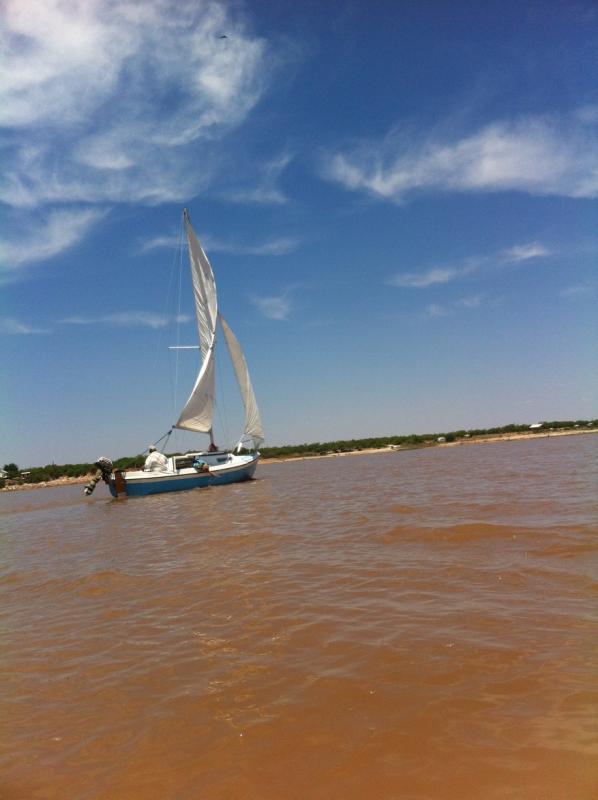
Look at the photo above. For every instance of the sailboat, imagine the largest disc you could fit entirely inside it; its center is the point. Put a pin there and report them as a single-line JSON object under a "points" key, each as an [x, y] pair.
{"points": [[214, 466]]}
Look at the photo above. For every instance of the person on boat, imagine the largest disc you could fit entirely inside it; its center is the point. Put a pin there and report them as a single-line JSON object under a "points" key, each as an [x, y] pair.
{"points": [[156, 461]]}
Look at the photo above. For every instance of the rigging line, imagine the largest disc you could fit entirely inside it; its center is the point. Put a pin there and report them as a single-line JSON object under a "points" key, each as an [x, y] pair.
{"points": [[178, 326], [167, 301], [166, 437], [166, 308]]}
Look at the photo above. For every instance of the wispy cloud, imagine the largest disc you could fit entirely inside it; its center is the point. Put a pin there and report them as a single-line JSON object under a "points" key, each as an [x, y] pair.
{"points": [[523, 252], [47, 235], [543, 155], [436, 310], [118, 101], [264, 188], [473, 301], [421, 280], [160, 243], [274, 307], [453, 307], [127, 319], [452, 272], [577, 290], [12, 327], [272, 247]]}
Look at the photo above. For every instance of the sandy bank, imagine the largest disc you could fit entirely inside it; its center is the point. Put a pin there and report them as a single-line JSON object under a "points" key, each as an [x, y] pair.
{"points": [[22, 487], [499, 437], [511, 437]]}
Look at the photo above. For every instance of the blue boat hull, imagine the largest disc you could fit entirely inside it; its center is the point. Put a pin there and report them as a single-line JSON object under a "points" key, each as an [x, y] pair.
{"points": [[156, 483]]}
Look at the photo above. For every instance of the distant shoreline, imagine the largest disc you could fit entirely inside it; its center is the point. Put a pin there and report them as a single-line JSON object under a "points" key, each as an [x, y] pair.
{"points": [[499, 437]]}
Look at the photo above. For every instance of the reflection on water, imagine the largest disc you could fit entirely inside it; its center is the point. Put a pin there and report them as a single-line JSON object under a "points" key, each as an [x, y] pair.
{"points": [[405, 625]]}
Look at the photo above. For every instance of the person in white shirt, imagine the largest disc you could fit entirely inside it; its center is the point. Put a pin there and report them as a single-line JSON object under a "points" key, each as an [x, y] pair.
{"points": [[155, 462]]}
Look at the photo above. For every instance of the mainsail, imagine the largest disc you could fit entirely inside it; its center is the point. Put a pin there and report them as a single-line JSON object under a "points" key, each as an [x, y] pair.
{"points": [[198, 412]]}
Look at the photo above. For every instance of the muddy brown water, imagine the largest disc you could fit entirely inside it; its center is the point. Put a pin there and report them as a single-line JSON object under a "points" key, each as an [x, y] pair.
{"points": [[417, 625]]}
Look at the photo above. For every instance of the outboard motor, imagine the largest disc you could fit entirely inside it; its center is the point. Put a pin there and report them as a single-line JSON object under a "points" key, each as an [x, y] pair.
{"points": [[103, 473]]}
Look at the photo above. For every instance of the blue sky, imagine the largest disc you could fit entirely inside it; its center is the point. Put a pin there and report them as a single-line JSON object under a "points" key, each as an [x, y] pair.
{"points": [[399, 201]]}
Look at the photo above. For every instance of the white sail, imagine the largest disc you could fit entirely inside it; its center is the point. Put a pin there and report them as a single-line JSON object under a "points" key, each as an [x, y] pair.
{"points": [[253, 424], [204, 290], [198, 412]]}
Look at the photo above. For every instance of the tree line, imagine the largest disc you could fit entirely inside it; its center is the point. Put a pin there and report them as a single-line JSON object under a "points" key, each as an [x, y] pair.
{"points": [[411, 440], [54, 471]]}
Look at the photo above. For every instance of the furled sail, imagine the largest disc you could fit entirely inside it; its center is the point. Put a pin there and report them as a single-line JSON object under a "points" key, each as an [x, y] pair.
{"points": [[198, 412], [253, 424]]}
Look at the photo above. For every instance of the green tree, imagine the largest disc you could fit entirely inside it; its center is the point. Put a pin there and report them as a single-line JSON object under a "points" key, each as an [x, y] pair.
{"points": [[12, 470]]}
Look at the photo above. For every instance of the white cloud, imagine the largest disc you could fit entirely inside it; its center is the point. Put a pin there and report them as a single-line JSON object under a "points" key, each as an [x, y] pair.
{"points": [[12, 327], [131, 100], [577, 290], [277, 308], [159, 243], [436, 310], [523, 252], [266, 188], [540, 155], [421, 280], [452, 272], [451, 308], [272, 247], [127, 319], [473, 301], [46, 236]]}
